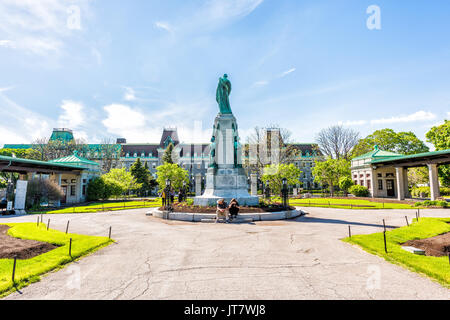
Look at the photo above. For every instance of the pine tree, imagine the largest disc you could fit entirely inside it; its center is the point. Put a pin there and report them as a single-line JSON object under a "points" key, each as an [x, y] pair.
{"points": [[167, 157], [142, 175]]}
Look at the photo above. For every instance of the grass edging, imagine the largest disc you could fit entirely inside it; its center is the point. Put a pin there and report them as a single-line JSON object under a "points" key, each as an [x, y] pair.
{"points": [[29, 271], [436, 268]]}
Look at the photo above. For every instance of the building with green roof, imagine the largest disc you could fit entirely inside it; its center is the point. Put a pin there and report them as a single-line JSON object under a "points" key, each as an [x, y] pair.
{"points": [[385, 173]]}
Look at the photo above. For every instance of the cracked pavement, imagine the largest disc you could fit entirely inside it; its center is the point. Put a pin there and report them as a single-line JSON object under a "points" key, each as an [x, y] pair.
{"points": [[301, 258]]}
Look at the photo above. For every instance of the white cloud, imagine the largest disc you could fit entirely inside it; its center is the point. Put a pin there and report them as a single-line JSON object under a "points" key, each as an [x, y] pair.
{"points": [[220, 10], [285, 73], [130, 94], [414, 117], [7, 44], [19, 124], [37, 27], [164, 26], [73, 116]]}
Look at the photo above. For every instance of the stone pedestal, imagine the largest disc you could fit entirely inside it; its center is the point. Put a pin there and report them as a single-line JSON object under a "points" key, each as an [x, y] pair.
{"points": [[225, 177], [198, 184], [254, 184]]}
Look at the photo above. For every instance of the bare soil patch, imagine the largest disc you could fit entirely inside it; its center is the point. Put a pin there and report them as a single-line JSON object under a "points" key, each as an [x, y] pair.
{"points": [[182, 207], [23, 249], [437, 246]]}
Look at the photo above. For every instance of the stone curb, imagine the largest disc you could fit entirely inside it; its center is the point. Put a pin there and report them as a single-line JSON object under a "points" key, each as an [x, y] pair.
{"points": [[198, 217]]}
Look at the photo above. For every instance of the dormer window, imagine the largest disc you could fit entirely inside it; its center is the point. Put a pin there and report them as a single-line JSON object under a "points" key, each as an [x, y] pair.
{"points": [[143, 154], [135, 155], [127, 155]]}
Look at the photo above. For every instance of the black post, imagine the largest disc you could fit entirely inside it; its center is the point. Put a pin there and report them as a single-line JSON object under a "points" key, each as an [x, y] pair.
{"points": [[14, 269], [42, 220], [384, 226], [67, 227], [385, 245], [417, 217], [70, 247], [37, 224], [110, 232], [349, 232], [407, 223], [48, 224]]}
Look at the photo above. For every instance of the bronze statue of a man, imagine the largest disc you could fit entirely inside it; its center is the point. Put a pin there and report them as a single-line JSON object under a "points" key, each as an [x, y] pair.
{"points": [[222, 94]]}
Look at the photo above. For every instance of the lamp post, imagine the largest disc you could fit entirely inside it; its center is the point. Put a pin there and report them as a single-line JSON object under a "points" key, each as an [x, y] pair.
{"points": [[182, 193], [284, 192], [168, 198], [267, 191]]}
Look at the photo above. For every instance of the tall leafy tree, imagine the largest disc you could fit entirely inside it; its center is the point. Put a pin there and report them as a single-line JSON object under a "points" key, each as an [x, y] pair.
{"points": [[330, 171], [439, 136], [275, 173], [174, 173], [389, 140], [121, 181]]}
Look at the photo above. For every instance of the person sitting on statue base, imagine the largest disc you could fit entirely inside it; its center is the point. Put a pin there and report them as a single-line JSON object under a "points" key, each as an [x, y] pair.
{"points": [[222, 210], [233, 208]]}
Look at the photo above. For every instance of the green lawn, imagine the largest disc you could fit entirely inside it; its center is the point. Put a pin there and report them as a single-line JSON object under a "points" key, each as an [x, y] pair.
{"points": [[28, 271], [109, 206], [349, 203], [437, 268]]}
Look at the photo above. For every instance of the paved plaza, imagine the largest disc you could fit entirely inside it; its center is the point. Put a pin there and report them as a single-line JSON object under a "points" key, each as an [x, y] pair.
{"points": [[294, 259]]}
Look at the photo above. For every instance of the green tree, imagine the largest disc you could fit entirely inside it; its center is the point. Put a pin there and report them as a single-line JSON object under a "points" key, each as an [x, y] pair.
{"points": [[143, 176], [98, 189], [389, 140], [174, 173], [345, 183], [330, 171], [29, 153], [275, 173], [167, 156], [439, 136], [418, 175], [121, 181]]}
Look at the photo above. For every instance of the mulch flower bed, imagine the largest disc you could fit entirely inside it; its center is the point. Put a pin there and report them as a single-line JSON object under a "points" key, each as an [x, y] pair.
{"points": [[183, 207], [23, 249], [437, 246]]}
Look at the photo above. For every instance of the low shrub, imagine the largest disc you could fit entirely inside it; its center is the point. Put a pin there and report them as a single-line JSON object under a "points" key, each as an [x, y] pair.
{"points": [[429, 203], [425, 191], [359, 191]]}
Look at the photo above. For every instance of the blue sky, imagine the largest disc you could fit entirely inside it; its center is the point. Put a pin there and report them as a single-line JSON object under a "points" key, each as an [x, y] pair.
{"points": [[130, 68]]}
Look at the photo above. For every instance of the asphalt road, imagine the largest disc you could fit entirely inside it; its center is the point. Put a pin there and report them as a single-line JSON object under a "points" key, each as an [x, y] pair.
{"points": [[295, 259]]}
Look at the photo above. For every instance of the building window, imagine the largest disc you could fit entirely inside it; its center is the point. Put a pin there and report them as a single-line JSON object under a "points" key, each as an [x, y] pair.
{"points": [[72, 191], [199, 166], [84, 190], [380, 184], [142, 154], [379, 175], [368, 184]]}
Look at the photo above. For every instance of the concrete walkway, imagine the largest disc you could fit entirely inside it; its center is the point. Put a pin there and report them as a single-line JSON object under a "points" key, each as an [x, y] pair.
{"points": [[294, 259]]}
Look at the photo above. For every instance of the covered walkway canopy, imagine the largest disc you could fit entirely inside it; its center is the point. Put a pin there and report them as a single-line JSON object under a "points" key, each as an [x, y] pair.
{"points": [[25, 166], [430, 159]]}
